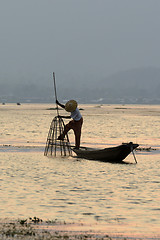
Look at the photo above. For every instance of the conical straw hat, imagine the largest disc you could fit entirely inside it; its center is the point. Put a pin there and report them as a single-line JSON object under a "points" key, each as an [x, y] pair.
{"points": [[71, 106]]}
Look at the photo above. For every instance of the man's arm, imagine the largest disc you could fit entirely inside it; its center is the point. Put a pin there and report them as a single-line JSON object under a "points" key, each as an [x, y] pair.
{"points": [[61, 105], [68, 117]]}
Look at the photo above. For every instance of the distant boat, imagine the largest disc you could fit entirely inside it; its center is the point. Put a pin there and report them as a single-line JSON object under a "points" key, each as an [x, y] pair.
{"points": [[113, 154]]}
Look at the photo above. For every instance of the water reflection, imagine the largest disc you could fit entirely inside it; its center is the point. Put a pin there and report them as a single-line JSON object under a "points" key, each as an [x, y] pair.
{"points": [[71, 189]]}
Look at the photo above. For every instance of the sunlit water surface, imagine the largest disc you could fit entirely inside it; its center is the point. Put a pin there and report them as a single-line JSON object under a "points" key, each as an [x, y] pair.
{"points": [[69, 189]]}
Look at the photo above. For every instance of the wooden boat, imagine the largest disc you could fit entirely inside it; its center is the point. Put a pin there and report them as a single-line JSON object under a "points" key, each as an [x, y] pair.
{"points": [[113, 154]]}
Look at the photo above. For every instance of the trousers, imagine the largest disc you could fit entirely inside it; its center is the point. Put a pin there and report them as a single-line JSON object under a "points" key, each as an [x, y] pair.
{"points": [[77, 127]]}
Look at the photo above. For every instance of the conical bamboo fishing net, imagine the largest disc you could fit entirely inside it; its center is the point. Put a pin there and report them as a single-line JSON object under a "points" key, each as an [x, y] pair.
{"points": [[55, 147]]}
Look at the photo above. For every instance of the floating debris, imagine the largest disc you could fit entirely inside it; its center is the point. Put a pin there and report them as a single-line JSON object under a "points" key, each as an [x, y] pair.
{"points": [[147, 149], [55, 108], [121, 108], [36, 220]]}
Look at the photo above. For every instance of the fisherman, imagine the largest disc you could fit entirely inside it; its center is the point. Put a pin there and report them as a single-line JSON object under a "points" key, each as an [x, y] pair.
{"points": [[75, 124]]}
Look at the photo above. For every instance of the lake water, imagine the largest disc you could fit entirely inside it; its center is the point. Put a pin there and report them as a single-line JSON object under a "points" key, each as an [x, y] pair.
{"points": [[120, 198]]}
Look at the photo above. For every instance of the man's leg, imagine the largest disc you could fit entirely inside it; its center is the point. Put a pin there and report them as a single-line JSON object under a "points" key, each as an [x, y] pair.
{"points": [[67, 127], [77, 139], [77, 132]]}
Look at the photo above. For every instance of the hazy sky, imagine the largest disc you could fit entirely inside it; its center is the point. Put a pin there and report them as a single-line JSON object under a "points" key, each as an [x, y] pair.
{"points": [[77, 38]]}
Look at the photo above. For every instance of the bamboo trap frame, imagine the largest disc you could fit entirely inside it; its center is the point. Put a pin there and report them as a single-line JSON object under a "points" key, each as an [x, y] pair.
{"points": [[54, 146]]}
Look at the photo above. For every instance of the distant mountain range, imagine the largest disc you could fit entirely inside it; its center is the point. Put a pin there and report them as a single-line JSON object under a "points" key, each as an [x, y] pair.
{"points": [[132, 86]]}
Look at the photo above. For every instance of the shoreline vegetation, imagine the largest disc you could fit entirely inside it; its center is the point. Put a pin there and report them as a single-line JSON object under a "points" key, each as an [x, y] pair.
{"points": [[38, 229]]}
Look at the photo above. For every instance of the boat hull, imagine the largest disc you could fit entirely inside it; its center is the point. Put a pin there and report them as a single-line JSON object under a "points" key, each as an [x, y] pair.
{"points": [[113, 154]]}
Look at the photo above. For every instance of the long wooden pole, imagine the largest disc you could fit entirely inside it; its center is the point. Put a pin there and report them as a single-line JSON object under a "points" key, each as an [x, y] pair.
{"points": [[55, 91]]}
